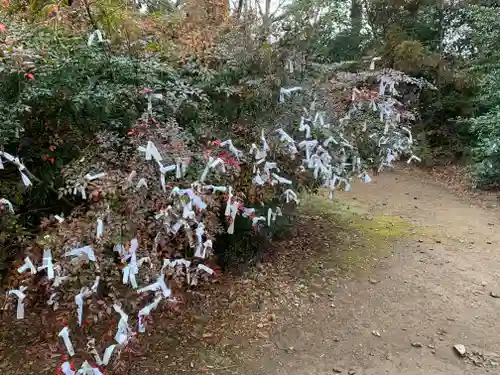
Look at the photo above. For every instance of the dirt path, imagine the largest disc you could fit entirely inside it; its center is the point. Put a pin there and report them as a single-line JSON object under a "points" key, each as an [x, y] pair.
{"points": [[400, 304]]}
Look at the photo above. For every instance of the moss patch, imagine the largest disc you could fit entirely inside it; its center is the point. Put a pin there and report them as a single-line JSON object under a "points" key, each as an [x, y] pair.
{"points": [[361, 237]]}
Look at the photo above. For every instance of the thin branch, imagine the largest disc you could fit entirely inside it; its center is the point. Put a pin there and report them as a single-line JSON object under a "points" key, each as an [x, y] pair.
{"points": [[32, 177]]}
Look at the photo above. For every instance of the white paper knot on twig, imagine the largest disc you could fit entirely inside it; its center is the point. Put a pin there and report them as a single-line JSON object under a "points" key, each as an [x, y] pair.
{"points": [[159, 285], [86, 369], [287, 92], [24, 177], [28, 265], [145, 311], [96, 34], [372, 62], [150, 96], [123, 332], [107, 353], [85, 252], [80, 298], [152, 153], [290, 196], [20, 166], [19, 293], [237, 153], [6, 203], [64, 334], [271, 216], [305, 127], [47, 264]]}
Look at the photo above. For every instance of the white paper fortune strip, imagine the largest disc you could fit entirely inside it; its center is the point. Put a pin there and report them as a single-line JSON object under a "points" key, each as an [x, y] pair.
{"points": [[64, 334], [100, 228], [87, 369], [123, 330], [151, 152], [79, 300], [142, 183], [95, 34], [47, 264], [132, 268], [372, 62], [19, 293], [237, 153], [24, 177], [66, 369], [290, 196], [6, 202], [304, 127], [208, 270], [159, 285], [145, 311], [107, 354], [200, 231], [271, 216], [257, 219], [85, 251], [287, 92], [282, 180], [92, 177], [413, 157], [28, 265], [233, 208]]}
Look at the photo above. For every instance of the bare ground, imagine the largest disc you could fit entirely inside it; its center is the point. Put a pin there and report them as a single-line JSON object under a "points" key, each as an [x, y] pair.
{"points": [[385, 280]]}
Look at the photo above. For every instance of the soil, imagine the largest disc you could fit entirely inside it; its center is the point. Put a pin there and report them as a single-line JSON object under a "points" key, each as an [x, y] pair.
{"points": [[386, 279]]}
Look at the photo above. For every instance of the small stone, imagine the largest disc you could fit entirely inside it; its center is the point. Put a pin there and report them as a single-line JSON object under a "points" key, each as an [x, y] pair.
{"points": [[351, 372], [420, 240], [260, 325], [430, 346], [373, 281], [416, 344], [376, 333], [337, 370], [484, 283], [495, 294], [460, 349]]}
